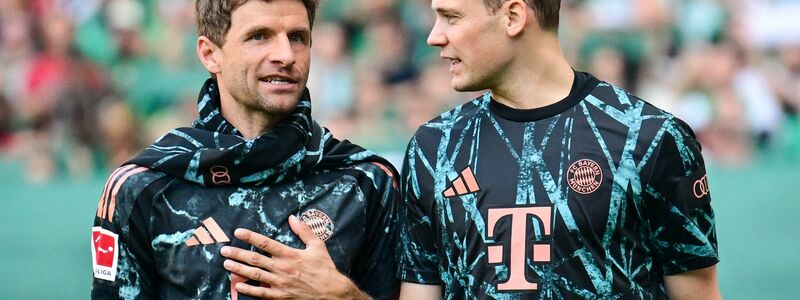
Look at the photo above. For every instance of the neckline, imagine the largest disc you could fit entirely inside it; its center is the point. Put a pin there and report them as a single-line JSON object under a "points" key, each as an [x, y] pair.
{"points": [[582, 86]]}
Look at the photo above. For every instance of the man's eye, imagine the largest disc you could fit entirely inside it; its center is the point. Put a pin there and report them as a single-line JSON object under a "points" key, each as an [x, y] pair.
{"points": [[257, 37], [298, 38]]}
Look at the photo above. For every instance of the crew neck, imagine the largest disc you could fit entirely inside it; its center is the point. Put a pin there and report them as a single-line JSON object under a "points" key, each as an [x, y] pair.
{"points": [[583, 84]]}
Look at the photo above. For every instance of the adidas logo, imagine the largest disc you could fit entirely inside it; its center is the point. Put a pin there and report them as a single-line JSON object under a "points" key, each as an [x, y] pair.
{"points": [[208, 233], [463, 184]]}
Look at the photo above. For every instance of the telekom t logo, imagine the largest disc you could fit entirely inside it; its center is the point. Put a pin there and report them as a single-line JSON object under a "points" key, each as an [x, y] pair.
{"points": [[519, 233]]}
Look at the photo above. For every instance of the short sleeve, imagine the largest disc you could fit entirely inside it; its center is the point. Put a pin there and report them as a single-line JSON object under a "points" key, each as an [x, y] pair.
{"points": [[374, 262], [417, 255], [678, 202]]}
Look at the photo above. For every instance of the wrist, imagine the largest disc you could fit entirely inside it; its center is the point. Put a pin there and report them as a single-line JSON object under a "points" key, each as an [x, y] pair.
{"points": [[347, 289]]}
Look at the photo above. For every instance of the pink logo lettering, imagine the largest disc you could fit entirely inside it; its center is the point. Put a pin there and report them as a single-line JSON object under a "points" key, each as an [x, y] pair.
{"points": [[220, 176], [519, 231], [700, 187]]}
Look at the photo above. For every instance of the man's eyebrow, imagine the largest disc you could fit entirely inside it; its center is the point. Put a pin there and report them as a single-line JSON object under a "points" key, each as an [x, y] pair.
{"points": [[267, 30], [300, 29], [446, 11], [257, 29]]}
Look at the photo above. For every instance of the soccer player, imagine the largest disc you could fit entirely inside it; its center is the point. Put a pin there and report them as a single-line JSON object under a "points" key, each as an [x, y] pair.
{"points": [[552, 184], [253, 159]]}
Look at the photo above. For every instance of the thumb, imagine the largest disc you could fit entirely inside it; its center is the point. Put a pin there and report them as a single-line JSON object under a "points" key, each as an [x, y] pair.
{"points": [[304, 232]]}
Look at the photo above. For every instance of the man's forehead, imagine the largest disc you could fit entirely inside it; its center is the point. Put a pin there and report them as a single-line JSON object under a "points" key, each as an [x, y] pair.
{"points": [[454, 5], [446, 5], [262, 12]]}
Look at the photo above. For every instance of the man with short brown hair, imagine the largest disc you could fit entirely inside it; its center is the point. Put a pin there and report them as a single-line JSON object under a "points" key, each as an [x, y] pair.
{"points": [[254, 174], [214, 17]]}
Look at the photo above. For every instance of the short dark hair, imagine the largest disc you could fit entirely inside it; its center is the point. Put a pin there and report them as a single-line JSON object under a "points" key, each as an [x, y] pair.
{"points": [[546, 11], [214, 17]]}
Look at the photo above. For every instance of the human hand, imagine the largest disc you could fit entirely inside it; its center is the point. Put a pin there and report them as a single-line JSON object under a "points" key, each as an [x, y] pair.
{"points": [[290, 273]]}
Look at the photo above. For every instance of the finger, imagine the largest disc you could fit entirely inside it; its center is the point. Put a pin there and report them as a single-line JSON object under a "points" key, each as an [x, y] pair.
{"points": [[253, 273], [262, 242], [252, 258], [259, 291], [304, 232]]}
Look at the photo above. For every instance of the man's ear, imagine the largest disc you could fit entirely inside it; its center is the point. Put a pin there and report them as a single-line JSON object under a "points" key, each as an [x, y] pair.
{"points": [[209, 54], [517, 16]]}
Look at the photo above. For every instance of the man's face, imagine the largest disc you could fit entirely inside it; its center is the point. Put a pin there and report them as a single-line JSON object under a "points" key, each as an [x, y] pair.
{"points": [[473, 41], [264, 63]]}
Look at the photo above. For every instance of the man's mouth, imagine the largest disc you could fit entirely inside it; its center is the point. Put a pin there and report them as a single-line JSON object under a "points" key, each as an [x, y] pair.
{"points": [[455, 63], [278, 80]]}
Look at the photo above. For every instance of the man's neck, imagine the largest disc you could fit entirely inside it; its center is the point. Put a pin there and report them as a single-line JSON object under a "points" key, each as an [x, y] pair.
{"points": [[537, 78], [250, 123]]}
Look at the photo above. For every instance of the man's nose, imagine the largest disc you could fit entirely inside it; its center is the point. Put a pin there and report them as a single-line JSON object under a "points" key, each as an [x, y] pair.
{"points": [[281, 52], [436, 38]]}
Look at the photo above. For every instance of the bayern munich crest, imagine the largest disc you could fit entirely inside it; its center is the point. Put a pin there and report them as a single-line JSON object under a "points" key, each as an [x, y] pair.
{"points": [[320, 223], [584, 176]]}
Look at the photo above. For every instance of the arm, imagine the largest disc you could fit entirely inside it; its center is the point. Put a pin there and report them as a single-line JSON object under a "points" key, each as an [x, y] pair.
{"points": [[415, 291], [417, 249], [695, 284], [123, 261], [681, 218], [290, 273]]}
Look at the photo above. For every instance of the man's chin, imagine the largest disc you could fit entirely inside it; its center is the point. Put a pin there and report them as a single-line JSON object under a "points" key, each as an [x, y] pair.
{"points": [[282, 104], [461, 86]]}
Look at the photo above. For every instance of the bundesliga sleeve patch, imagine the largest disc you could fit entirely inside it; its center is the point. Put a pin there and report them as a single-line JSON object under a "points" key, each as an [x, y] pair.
{"points": [[104, 253]]}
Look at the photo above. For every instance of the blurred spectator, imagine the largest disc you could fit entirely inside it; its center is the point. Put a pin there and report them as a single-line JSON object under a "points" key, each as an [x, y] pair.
{"points": [[388, 53], [16, 50], [118, 126], [787, 77], [331, 81], [713, 108], [61, 95], [762, 108], [6, 134], [87, 82], [608, 63], [372, 120]]}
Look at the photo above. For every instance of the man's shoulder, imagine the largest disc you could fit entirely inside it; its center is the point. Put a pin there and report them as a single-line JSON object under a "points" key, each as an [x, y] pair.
{"points": [[624, 106], [456, 118], [607, 95], [122, 189], [132, 177], [380, 173], [627, 108]]}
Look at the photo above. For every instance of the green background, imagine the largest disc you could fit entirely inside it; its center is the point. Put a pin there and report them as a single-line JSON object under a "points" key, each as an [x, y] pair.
{"points": [[45, 247]]}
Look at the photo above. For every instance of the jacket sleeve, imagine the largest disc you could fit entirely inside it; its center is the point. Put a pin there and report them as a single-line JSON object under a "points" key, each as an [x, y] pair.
{"points": [[122, 260], [375, 265]]}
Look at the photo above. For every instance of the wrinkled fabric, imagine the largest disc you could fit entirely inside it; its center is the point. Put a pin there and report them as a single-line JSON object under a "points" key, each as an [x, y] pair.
{"points": [[213, 152]]}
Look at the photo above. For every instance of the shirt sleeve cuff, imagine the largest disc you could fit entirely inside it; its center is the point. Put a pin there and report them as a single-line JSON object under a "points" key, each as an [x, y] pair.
{"points": [[687, 265], [418, 276]]}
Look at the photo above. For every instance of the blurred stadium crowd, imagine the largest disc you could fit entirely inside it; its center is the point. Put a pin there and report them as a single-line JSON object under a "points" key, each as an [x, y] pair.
{"points": [[86, 84]]}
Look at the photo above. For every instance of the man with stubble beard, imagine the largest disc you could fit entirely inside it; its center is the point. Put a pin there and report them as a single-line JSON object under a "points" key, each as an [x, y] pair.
{"points": [[254, 179]]}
